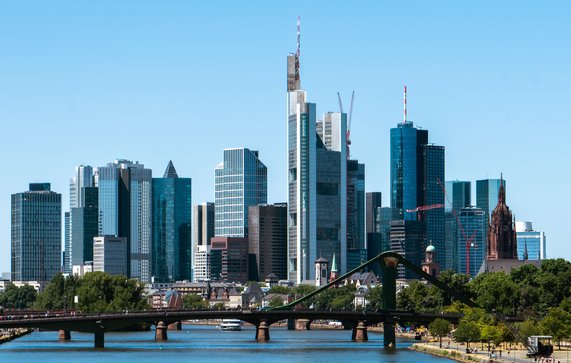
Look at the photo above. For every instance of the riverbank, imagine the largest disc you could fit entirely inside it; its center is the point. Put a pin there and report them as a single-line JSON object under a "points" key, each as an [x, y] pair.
{"points": [[451, 353], [11, 334]]}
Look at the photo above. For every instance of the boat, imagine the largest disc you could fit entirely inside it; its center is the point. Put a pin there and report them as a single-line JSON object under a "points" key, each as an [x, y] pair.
{"points": [[231, 324]]}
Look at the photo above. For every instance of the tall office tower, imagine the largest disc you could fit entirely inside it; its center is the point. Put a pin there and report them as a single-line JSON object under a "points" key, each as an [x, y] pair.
{"points": [[408, 238], [459, 196], [110, 255], [317, 181], [502, 242], [434, 195], [84, 226], [125, 207], [417, 169], [172, 245], [82, 178], [36, 234], [379, 241], [267, 238], [231, 258], [471, 247], [203, 231], [372, 203], [487, 191], [240, 180], [530, 243], [356, 236]]}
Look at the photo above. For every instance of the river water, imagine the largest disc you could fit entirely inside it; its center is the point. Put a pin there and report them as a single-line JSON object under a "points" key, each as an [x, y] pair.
{"points": [[202, 343]]}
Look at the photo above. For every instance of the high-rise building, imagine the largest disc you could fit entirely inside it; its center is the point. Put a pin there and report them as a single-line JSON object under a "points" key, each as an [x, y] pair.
{"points": [[201, 265], [203, 229], [110, 255], [373, 202], [433, 195], [241, 180], [66, 254], [36, 234], [417, 171], [84, 226], [531, 244], [471, 245], [356, 236], [125, 210], [267, 236], [408, 238], [232, 258], [502, 242], [487, 191], [172, 245], [459, 197]]}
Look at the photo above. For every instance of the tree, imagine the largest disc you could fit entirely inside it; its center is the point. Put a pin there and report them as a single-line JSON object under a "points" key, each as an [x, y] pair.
{"points": [[490, 333], [420, 298], [557, 323], [279, 289], [15, 297], [276, 302], [440, 327], [467, 332], [302, 290], [495, 291], [340, 298], [194, 302], [456, 282], [374, 298]]}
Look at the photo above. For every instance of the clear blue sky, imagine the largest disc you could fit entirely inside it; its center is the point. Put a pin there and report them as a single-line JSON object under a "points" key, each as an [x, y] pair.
{"points": [[86, 82]]}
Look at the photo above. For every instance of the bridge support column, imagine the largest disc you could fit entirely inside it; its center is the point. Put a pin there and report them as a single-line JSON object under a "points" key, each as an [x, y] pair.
{"points": [[360, 332], [302, 324], [161, 332], [64, 335], [263, 332], [99, 339], [389, 266], [290, 324]]}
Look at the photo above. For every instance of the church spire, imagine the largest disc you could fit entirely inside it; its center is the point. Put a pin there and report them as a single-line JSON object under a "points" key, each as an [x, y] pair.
{"points": [[502, 192]]}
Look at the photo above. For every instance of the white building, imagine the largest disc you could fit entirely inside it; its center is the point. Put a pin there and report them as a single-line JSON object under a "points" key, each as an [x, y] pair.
{"points": [[201, 264]]}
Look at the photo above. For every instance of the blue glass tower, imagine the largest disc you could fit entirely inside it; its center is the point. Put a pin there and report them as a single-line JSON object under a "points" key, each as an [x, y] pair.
{"points": [[241, 180], [487, 191], [472, 244], [172, 244]]}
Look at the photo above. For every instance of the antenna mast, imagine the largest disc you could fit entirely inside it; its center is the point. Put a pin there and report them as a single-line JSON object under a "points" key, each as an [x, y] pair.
{"points": [[404, 116], [298, 51]]}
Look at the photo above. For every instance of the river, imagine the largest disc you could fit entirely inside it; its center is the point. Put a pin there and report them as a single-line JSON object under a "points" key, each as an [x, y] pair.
{"points": [[202, 343]]}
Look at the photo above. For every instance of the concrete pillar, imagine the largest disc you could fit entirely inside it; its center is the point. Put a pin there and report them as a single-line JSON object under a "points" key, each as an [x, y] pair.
{"points": [[64, 334], [302, 324], [290, 324], [161, 332], [263, 332], [99, 340], [389, 299], [360, 332]]}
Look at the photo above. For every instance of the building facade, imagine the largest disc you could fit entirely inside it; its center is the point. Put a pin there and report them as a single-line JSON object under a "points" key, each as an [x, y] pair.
{"points": [[125, 210], [531, 244], [110, 255], [459, 196], [201, 265], [471, 245], [172, 245], [408, 238], [84, 226], [502, 242], [36, 234], [267, 238], [487, 191], [230, 258], [241, 180]]}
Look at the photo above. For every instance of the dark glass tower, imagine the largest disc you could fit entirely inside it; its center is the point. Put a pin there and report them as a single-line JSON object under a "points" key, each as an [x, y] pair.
{"points": [[171, 227], [432, 193], [84, 226]]}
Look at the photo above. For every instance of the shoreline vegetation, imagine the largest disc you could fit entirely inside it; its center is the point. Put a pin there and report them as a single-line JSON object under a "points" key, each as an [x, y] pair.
{"points": [[7, 335]]}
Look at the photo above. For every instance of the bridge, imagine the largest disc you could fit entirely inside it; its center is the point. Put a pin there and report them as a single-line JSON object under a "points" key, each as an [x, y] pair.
{"points": [[358, 321]]}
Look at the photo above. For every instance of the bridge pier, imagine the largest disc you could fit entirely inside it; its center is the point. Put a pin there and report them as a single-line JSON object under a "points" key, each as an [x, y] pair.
{"points": [[99, 339], [290, 324], [389, 265], [359, 333], [64, 334], [161, 332], [302, 324], [263, 332]]}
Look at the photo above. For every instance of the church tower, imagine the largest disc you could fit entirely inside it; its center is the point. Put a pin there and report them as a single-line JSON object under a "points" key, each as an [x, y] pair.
{"points": [[502, 244]]}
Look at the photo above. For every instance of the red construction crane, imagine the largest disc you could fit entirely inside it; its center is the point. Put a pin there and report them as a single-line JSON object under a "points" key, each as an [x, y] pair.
{"points": [[468, 240], [425, 208]]}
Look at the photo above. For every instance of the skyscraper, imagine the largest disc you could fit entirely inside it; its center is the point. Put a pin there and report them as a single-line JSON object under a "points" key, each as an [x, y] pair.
{"points": [[471, 245], [172, 245], [125, 209], [267, 237], [487, 191], [433, 195], [459, 196], [84, 226], [356, 236], [240, 180], [36, 234], [530, 243], [373, 202], [408, 238], [203, 229]]}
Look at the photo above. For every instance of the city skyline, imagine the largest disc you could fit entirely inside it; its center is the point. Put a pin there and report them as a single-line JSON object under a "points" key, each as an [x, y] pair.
{"points": [[497, 98]]}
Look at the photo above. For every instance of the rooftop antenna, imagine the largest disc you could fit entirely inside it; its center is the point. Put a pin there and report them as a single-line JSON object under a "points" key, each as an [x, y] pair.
{"points": [[298, 52], [404, 116]]}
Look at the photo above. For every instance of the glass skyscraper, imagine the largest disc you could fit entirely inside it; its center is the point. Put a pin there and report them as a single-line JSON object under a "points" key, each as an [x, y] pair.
{"points": [[36, 234], [434, 195], [125, 211], [240, 180], [531, 244], [459, 196], [84, 226], [172, 245], [472, 243], [487, 191]]}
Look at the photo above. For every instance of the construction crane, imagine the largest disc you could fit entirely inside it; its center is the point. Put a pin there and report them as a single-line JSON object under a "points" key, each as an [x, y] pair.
{"points": [[349, 118], [425, 208], [466, 239]]}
